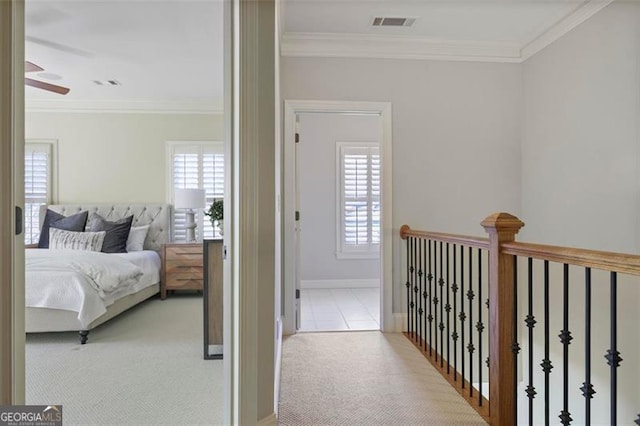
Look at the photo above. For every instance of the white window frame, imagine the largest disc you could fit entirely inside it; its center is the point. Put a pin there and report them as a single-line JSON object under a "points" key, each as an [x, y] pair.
{"points": [[50, 146], [198, 147], [369, 250]]}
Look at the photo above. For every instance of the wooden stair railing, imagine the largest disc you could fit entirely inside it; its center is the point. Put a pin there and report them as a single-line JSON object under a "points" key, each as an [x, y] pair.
{"points": [[430, 278]]}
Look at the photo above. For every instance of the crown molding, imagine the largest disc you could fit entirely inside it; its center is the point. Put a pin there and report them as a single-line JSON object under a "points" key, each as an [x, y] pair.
{"points": [[335, 45], [395, 47], [580, 15], [122, 106]]}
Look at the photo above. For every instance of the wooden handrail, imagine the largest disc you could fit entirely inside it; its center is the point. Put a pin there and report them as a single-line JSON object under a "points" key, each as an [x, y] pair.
{"points": [[476, 242], [608, 261]]}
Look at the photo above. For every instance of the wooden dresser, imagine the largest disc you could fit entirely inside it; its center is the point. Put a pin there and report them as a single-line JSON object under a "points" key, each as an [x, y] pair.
{"points": [[181, 267]]}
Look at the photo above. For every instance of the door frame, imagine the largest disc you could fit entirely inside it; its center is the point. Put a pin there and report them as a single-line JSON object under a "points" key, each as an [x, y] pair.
{"points": [[291, 109], [12, 335]]}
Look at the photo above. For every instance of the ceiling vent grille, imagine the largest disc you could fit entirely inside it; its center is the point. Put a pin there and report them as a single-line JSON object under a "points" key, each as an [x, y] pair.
{"points": [[382, 21]]}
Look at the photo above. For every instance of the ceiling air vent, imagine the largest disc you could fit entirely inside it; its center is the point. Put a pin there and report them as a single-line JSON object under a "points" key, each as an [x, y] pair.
{"points": [[392, 22], [107, 82]]}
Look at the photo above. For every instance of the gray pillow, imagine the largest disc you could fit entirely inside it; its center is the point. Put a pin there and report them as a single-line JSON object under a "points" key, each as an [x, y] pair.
{"points": [[115, 241], [76, 223]]}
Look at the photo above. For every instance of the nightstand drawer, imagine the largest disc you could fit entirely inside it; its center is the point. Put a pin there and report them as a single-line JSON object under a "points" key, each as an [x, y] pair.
{"points": [[185, 273], [186, 252], [174, 283], [170, 264]]}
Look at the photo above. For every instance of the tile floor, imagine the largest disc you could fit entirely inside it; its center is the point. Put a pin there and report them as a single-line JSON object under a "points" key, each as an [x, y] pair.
{"points": [[340, 309]]}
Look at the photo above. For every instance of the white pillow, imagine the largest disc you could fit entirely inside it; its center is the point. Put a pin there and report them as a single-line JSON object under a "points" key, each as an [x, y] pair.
{"points": [[59, 239], [137, 234]]}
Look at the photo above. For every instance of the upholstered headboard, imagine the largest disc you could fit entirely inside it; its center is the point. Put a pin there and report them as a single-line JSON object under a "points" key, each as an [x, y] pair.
{"points": [[157, 216]]}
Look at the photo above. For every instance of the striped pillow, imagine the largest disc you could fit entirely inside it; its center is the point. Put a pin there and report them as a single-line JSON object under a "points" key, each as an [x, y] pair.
{"points": [[60, 239]]}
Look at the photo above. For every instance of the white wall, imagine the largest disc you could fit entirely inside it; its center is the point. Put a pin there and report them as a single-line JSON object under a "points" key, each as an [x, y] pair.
{"points": [[112, 157], [580, 176], [456, 134], [317, 187]]}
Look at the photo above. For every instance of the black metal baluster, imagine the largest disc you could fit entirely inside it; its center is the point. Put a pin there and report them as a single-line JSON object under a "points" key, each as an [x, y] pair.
{"points": [[408, 284], [447, 309], [413, 273], [587, 387], [480, 327], [441, 325], [430, 317], [516, 346], [462, 314], [531, 323], [418, 291], [470, 296], [435, 297], [613, 356], [546, 362], [454, 336], [565, 339], [424, 293]]}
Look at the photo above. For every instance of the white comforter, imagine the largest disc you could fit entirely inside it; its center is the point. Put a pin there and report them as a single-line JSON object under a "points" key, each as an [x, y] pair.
{"points": [[65, 279]]}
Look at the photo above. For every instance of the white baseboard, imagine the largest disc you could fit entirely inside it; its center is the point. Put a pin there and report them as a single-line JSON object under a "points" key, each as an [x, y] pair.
{"points": [[400, 322], [270, 420], [356, 283], [278, 364]]}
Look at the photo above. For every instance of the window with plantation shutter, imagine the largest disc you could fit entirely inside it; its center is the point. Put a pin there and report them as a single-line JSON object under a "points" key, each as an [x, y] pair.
{"points": [[359, 200], [38, 165], [196, 165]]}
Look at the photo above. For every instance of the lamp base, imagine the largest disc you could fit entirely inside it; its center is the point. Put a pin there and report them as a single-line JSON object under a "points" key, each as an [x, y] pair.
{"points": [[191, 226]]}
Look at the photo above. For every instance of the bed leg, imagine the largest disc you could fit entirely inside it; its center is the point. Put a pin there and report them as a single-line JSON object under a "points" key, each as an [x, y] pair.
{"points": [[84, 335]]}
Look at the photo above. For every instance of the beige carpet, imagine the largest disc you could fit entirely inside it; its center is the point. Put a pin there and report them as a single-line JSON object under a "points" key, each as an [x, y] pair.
{"points": [[364, 378], [144, 367]]}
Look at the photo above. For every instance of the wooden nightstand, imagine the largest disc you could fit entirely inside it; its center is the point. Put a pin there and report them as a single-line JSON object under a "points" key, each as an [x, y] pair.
{"points": [[181, 267]]}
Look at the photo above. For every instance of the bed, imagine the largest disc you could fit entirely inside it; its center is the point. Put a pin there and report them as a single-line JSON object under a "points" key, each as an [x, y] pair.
{"points": [[72, 298]]}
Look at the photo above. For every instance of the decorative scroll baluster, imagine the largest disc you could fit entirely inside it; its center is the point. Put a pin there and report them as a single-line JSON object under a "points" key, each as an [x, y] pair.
{"points": [[418, 291], [565, 339], [447, 309], [424, 293], [480, 327], [414, 281], [408, 284], [530, 321], [462, 315], [436, 300], [470, 347], [430, 317], [546, 362], [516, 346], [454, 336], [441, 325], [613, 356], [587, 387]]}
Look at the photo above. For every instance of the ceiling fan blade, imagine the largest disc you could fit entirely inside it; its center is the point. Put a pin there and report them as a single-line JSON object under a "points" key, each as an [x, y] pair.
{"points": [[46, 86], [31, 67]]}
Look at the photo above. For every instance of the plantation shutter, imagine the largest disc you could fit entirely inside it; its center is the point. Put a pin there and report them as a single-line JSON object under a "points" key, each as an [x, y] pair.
{"points": [[197, 166], [37, 187], [360, 204]]}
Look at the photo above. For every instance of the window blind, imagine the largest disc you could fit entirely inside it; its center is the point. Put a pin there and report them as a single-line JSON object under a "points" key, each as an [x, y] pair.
{"points": [[37, 187], [197, 166], [360, 198]]}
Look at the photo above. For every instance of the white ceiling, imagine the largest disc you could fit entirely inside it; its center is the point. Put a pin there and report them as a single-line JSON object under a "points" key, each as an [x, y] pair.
{"points": [[170, 52], [160, 51]]}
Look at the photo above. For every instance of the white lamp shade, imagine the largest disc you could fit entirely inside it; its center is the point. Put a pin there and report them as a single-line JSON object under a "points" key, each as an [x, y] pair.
{"points": [[189, 199]]}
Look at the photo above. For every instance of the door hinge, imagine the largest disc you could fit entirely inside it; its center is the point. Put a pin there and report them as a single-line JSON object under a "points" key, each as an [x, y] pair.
{"points": [[297, 215], [297, 293], [297, 137]]}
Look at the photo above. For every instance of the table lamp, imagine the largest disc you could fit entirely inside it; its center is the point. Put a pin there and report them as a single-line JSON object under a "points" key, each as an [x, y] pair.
{"points": [[190, 199]]}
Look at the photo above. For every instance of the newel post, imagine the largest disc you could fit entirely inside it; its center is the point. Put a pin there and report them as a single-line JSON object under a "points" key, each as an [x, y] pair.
{"points": [[501, 227]]}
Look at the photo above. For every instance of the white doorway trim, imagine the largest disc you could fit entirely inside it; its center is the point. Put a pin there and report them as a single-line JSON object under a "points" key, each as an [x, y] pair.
{"points": [[291, 108]]}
